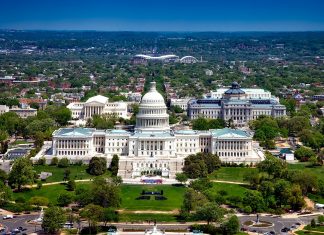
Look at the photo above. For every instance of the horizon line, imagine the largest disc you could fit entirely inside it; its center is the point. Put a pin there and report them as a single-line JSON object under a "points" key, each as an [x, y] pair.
{"points": [[171, 31]]}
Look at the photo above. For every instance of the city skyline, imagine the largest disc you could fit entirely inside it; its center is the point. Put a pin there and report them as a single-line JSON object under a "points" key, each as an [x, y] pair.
{"points": [[128, 15]]}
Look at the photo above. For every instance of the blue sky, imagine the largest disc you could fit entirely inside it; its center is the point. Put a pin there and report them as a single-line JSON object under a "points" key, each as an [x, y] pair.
{"points": [[163, 15]]}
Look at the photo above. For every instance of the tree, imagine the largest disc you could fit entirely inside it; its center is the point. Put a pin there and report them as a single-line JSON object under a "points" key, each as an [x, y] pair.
{"points": [[54, 161], [304, 153], [3, 138], [54, 218], [313, 223], [105, 193], [38, 201], [200, 164], [21, 173], [3, 176], [320, 219], [193, 200], [92, 213], [6, 194], [64, 199], [275, 167], [110, 215], [117, 180], [39, 139], [201, 184], [306, 180], [60, 114], [296, 200], [231, 226], [209, 212], [67, 173], [97, 166], [207, 124], [83, 195], [181, 177], [114, 165], [71, 185], [200, 124], [255, 200], [63, 162]]}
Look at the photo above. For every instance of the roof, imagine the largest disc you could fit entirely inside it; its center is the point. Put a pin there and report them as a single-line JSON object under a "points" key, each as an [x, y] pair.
{"points": [[120, 132], [150, 134], [153, 96], [98, 99], [234, 90], [74, 132], [162, 57], [185, 132], [230, 133], [285, 151]]}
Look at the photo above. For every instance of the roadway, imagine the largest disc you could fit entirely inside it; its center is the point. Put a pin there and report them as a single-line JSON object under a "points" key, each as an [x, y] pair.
{"points": [[278, 223]]}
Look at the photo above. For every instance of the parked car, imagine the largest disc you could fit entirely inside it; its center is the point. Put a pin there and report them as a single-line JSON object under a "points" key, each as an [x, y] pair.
{"points": [[8, 217]]}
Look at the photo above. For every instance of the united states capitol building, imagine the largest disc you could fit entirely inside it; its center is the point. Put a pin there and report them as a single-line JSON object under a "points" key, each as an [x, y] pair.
{"points": [[153, 146], [236, 104]]}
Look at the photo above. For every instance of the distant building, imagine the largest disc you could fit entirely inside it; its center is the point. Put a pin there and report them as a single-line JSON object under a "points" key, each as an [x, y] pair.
{"points": [[28, 101], [236, 104], [152, 146], [182, 103], [188, 60], [143, 59], [4, 109], [287, 154], [13, 154], [209, 72], [318, 97], [97, 105], [7, 80], [24, 111]]}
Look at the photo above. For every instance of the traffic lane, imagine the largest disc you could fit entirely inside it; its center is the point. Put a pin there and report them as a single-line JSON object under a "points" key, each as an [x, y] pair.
{"points": [[278, 222], [21, 221]]}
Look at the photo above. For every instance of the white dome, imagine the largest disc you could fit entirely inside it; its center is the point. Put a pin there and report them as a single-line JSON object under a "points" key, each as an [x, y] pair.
{"points": [[152, 114], [153, 96]]}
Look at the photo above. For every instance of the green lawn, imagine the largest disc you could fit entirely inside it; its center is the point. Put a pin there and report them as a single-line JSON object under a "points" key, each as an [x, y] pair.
{"points": [[231, 173], [174, 196], [303, 232], [230, 189], [127, 217], [129, 193], [77, 172], [51, 192], [318, 170], [317, 228]]}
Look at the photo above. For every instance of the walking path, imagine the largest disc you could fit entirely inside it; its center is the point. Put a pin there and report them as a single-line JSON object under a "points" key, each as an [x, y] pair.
{"points": [[135, 181]]}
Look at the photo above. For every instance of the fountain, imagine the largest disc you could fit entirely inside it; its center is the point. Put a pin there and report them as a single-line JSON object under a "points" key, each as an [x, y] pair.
{"points": [[40, 218], [154, 231]]}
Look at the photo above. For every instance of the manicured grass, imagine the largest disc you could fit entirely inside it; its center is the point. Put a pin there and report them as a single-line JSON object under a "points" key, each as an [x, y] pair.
{"points": [[51, 192], [317, 228], [230, 189], [128, 217], [129, 193], [231, 173], [174, 195], [318, 170], [303, 232], [77, 172]]}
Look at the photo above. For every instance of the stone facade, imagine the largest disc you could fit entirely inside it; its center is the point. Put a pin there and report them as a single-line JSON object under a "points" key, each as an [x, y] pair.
{"points": [[236, 104], [153, 146]]}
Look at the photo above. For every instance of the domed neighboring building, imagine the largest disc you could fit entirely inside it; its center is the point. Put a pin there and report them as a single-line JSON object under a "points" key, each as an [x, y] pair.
{"points": [[152, 148]]}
